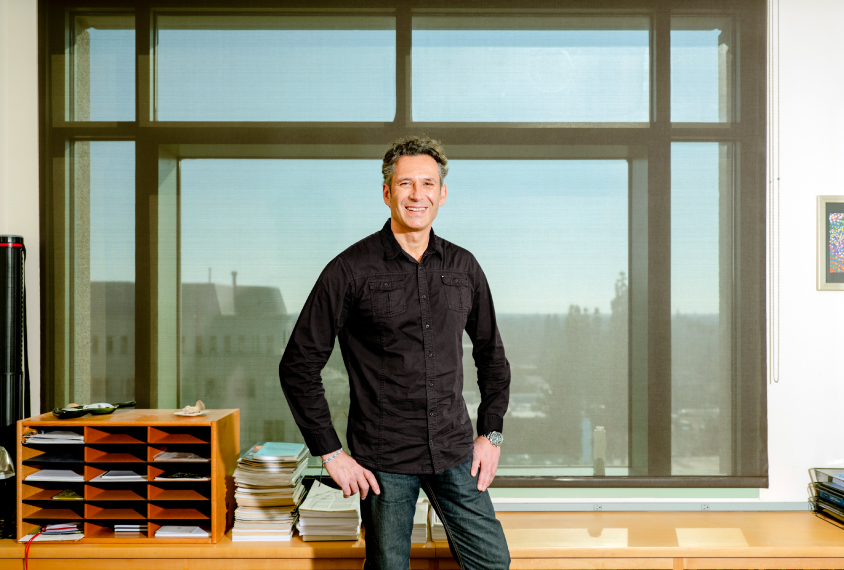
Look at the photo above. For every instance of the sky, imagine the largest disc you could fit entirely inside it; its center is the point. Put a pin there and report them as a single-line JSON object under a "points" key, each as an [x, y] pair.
{"points": [[547, 233]]}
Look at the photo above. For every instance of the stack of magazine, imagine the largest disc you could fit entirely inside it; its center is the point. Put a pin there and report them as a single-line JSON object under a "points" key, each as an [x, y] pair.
{"points": [[268, 488], [326, 515], [827, 493], [437, 528], [420, 523]]}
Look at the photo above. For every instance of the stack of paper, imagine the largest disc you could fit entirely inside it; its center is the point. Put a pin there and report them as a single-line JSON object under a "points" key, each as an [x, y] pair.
{"points": [[420, 522], [326, 515], [120, 475], [268, 488], [59, 531], [53, 436], [128, 530], [437, 528], [55, 475], [181, 532], [178, 456]]}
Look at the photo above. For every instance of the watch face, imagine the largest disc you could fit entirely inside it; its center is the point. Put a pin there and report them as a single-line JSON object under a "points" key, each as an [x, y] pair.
{"points": [[495, 438]]}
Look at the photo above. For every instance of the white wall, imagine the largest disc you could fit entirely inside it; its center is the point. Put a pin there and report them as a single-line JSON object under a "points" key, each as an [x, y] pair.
{"points": [[19, 154], [803, 410]]}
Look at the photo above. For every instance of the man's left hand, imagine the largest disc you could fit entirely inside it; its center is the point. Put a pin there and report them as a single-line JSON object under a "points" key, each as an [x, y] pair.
{"points": [[484, 459]]}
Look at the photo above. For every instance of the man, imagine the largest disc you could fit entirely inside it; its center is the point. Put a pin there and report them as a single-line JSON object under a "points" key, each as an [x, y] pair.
{"points": [[399, 301]]}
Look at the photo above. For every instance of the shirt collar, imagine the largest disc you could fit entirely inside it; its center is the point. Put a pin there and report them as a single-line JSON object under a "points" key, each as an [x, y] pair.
{"points": [[392, 247]]}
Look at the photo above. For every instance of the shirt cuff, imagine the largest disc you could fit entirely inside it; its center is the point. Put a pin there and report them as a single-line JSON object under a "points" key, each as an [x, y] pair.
{"points": [[323, 443], [487, 424]]}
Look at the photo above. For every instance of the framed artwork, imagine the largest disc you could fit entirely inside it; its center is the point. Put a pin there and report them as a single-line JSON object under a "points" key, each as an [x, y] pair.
{"points": [[830, 243]]}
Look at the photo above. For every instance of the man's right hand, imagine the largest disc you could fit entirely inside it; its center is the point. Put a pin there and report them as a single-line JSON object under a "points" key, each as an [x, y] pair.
{"points": [[351, 477]]}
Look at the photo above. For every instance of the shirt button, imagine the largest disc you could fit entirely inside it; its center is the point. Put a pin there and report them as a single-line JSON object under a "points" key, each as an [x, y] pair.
{"points": [[430, 355], [432, 414], [427, 326], [424, 296], [430, 383]]}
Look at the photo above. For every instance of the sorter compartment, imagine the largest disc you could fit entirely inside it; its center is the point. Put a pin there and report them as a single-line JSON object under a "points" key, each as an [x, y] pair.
{"points": [[41, 511], [45, 491], [179, 434], [35, 474], [179, 453], [104, 529], [25, 528], [115, 511], [154, 526], [116, 491], [166, 491], [95, 473], [180, 511], [178, 472], [30, 430], [127, 453], [53, 456], [115, 434]]}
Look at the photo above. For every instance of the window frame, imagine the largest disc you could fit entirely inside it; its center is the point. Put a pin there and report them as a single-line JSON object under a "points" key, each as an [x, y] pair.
{"points": [[647, 146]]}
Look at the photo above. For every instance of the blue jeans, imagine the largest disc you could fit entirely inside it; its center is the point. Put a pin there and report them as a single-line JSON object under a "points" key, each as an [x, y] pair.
{"points": [[474, 534]]}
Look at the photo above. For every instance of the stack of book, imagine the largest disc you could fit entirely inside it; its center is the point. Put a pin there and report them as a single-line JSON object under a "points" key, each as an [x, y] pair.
{"points": [[828, 493], [268, 488], [326, 515], [437, 528]]}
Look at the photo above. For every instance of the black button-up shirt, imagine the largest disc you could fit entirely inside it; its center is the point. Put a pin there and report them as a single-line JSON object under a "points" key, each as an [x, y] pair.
{"points": [[400, 325]]}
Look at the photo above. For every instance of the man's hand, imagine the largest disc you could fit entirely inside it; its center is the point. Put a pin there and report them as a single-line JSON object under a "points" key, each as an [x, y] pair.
{"points": [[351, 477], [484, 457]]}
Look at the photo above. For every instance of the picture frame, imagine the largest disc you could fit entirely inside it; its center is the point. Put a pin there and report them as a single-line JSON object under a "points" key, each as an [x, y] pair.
{"points": [[830, 243]]}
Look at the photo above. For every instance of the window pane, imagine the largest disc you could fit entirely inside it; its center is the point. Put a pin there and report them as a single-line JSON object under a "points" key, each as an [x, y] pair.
{"points": [[275, 68], [701, 69], [701, 300], [502, 69], [103, 79], [552, 241], [555, 253], [240, 298], [104, 269]]}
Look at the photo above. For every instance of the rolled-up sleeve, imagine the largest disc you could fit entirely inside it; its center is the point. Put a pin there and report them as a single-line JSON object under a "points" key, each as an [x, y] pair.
{"points": [[488, 353], [307, 352]]}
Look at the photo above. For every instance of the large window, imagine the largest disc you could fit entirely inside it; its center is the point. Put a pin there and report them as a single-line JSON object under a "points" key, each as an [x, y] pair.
{"points": [[201, 166]]}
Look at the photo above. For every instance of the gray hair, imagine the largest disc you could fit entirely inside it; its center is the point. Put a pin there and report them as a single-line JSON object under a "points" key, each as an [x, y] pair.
{"points": [[412, 146]]}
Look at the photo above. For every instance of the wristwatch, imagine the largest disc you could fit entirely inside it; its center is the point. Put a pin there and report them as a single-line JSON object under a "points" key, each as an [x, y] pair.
{"points": [[495, 438]]}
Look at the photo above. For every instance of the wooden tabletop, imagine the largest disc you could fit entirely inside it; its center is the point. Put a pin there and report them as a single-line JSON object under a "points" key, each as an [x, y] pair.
{"points": [[665, 536], [131, 417]]}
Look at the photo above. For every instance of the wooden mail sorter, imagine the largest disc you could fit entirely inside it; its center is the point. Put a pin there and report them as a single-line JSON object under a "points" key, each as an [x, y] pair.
{"points": [[129, 440]]}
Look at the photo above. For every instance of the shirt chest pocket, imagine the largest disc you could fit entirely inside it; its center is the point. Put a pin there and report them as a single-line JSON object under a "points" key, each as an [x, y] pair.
{"points": [[457, 292], [388, 297]]}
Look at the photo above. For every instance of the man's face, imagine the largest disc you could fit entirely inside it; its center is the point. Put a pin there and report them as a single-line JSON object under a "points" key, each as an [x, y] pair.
{"points": [[415, 195]]}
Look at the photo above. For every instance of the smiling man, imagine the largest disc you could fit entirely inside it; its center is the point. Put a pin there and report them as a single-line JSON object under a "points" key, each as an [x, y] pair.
{"points": [[399, 301]]}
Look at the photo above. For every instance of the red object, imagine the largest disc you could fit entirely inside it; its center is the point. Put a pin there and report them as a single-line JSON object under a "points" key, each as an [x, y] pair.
{"points": [[26, 551], [11, 245]]}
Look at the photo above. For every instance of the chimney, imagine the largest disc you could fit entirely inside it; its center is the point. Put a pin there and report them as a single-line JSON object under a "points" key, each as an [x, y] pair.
{"points": [[234, 278]]}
